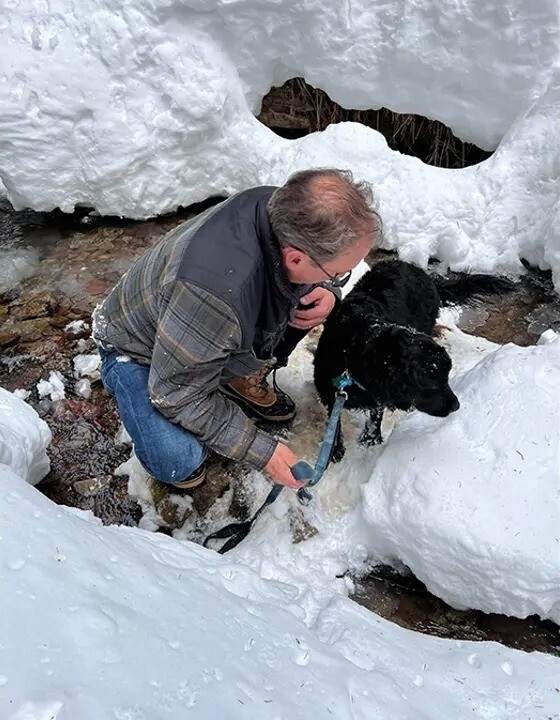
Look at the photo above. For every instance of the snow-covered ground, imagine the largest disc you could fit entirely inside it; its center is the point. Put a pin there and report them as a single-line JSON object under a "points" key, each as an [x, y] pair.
{"points": [[113, 622], [148, 107], [137, 108], [469, 502]]}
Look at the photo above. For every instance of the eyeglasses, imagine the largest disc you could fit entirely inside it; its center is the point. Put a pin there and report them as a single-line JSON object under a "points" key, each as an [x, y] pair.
{"points": [[339, 280]]}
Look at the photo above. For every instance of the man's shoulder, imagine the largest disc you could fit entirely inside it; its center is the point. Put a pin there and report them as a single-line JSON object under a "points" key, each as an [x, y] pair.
{"points": [[224, 252]]}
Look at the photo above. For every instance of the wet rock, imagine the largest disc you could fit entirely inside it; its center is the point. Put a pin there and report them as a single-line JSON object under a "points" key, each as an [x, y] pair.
{"points": [[172, 513], [92, 486], [300, 527], [35, 306], [242, 500], [171, 508], [9, 337], [71, 409], [59, 321], [31, 330], [217, 482]]}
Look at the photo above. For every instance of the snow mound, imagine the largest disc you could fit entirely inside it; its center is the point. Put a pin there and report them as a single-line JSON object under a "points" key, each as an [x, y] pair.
{"points": [[160, 113], [168, 628], [470, 502], [24, 438]]}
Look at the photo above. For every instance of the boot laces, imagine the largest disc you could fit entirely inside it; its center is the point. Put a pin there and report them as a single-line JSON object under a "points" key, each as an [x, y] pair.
{"points": [[259, 380]]}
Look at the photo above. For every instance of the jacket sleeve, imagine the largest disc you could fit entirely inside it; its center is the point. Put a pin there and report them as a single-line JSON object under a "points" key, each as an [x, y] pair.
{"points": [[195, 336]]}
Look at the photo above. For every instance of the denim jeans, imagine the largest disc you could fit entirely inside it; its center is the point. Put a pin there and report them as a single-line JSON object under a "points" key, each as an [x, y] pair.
{"points": [[167, 451]]}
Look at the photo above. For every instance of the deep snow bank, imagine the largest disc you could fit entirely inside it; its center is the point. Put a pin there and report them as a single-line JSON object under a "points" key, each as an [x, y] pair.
{"points": [[470, 502], [24, 438], [113, 622], [135, 110]]}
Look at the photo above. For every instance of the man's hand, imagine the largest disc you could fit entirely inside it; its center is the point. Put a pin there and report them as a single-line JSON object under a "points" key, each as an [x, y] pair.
{"points": [[322, 301], [280, 466]]}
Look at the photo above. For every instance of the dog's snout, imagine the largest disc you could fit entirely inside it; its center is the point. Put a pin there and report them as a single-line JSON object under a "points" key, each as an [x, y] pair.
{"points": [[455, 404]]}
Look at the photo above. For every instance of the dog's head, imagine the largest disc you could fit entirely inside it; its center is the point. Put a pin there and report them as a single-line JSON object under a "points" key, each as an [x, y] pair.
{"points": [[409, 370]]}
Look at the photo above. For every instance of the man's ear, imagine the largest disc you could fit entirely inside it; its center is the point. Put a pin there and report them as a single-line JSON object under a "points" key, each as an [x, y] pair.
{"points": [[292, 257]]}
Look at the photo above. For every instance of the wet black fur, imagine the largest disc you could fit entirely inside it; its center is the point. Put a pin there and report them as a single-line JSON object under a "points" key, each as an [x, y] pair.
{"points": [[382, 333]]}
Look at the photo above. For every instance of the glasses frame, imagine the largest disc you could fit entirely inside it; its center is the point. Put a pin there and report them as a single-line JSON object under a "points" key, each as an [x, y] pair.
{"points": [[338, 280]]}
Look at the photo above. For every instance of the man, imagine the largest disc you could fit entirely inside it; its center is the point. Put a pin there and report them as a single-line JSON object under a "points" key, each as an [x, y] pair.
{"points": [[189, 334]]}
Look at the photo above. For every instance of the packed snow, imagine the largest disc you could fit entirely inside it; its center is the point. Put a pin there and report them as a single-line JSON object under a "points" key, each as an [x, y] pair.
{"points": [[161, 111], [470, 504], [24, 438], [87, 365], [103, 622]]}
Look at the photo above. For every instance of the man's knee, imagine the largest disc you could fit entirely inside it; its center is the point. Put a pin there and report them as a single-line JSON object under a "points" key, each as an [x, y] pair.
{"points": [[171, 463]]}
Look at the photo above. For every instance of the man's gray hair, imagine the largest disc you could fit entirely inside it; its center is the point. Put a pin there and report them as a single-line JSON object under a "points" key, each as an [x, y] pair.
{"points": [[323, 212]]}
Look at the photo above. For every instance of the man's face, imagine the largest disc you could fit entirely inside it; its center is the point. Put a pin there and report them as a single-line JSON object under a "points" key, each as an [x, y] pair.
{"points": [[302, 270]]}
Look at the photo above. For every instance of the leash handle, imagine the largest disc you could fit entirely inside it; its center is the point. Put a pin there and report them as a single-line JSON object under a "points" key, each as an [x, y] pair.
{"points": [[303, 471]]}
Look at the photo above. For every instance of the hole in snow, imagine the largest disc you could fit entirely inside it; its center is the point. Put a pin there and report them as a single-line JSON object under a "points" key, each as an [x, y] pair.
{"points": [[296, 109]]}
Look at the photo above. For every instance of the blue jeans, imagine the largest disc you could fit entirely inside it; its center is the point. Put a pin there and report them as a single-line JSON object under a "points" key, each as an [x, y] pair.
{"points": [[167, 451]]}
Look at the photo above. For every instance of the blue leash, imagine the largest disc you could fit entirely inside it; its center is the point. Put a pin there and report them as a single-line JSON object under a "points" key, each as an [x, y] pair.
{"points": [[302, 471]]}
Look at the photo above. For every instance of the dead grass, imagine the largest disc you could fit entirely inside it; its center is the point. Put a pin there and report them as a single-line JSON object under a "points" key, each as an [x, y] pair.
{"points": [[296, 108]]}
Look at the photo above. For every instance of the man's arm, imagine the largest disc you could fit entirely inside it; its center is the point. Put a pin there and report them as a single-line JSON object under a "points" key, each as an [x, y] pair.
{"points": [[194, 338]]}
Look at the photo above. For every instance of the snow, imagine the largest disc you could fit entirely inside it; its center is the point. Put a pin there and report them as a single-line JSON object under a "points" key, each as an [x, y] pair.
{"points": [[161, 112], [148, 106], [87, 365], [76, 326], [267, 631], [83, 388], [470, 503], [169, 629], [24, 438], [53, 387], [465, 501]]}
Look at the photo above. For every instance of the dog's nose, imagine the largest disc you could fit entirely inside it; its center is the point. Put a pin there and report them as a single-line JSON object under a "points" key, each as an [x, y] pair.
{"points": [[455, 404]]}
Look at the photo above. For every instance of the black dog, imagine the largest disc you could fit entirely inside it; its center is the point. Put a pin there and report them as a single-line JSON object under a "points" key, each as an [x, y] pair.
{"points": [[381, 335]]}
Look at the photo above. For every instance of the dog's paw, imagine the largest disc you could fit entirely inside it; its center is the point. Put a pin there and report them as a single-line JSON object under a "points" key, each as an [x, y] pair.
{"points": [[338, 453], [370, 439]]}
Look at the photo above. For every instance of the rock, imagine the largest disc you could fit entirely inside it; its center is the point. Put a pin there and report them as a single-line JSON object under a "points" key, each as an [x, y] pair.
{"points": [[30, 330], [217, 482], [8, 337], [301, 528], [92, 486], [35, 306], [59, 321]]}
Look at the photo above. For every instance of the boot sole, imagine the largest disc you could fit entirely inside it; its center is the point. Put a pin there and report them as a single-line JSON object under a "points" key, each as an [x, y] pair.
{"points": [[196, 482], [253, 410]]}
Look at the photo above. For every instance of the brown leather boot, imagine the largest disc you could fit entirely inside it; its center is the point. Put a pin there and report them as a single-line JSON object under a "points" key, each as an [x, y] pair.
{"points": [[259, 399]]}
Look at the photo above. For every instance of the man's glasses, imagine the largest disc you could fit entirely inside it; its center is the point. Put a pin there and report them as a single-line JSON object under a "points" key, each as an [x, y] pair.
{"points": [[339, 280]]}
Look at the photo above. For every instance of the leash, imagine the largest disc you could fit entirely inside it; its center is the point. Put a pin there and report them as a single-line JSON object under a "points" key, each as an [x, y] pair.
{"points": [[302, 471]]}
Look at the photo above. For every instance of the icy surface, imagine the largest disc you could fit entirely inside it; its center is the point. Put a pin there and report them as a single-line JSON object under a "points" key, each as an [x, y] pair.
{"points": [[160, 112], [168, 629], [24, 438]]}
